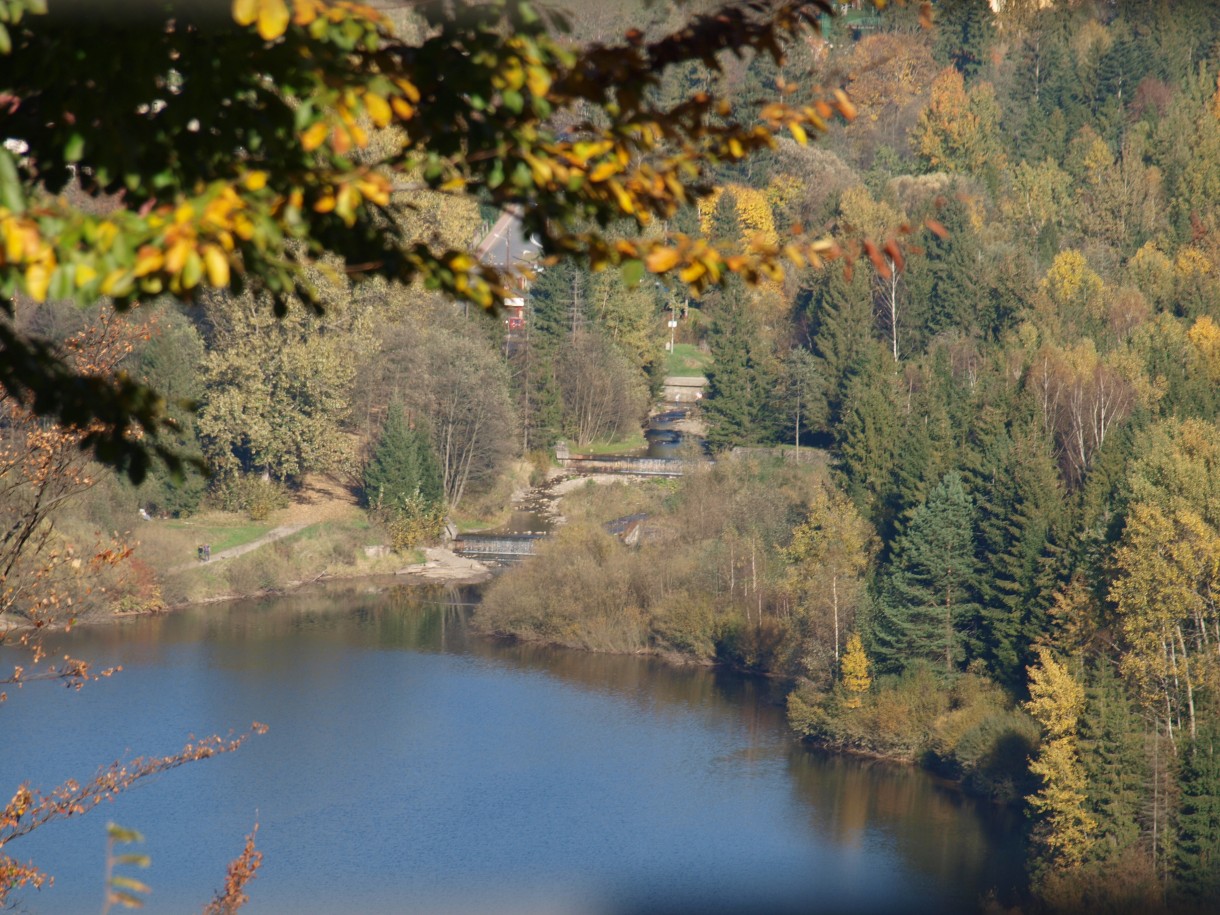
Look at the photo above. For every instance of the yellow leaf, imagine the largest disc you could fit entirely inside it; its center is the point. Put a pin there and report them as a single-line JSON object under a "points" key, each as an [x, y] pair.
{"points": [[272, 19], [147, 260], [256, 180], [245, 11], [539, 80], [243, 227], [314, 136], [175, 258], [117, 282], [624, 200], [107, 232], [378, 108], [37, 281], [84, 275], [603, 171], [217, 265], [408, 89], [402, 108], [798, 133], [325, 203], [692, 272], [304, 12], [377, 189], [661, 260], [14, 241]]}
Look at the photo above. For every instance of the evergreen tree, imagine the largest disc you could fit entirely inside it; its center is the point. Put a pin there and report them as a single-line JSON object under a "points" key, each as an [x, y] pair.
{"points": [[840, 316], [965, 30], [930, 594], [867, 439], [741, 378], [1197, 864], [946, 284], [1111, 745], [402, 465], [1020, 502]]}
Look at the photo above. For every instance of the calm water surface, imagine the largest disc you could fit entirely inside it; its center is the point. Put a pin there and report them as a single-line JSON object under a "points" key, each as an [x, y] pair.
{"points": [[413, 768]]}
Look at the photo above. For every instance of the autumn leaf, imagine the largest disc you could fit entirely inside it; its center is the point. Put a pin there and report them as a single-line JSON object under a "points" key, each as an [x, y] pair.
{"points": [[662, 260]]}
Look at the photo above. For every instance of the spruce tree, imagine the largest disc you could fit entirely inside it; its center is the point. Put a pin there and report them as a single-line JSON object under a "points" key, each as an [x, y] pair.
{"points": [[930, 595], [1197, 864], [965, 30], [402, 464], [1112, 753], [867, 440], [841, 320], [741, 380]]}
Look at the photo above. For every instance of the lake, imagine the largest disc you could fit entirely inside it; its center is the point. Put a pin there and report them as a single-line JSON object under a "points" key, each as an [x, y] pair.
{"points": [[413, 767]]}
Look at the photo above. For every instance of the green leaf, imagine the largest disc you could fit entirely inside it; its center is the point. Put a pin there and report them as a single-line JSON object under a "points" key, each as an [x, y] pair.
{"points": [[134, 860], [130, 883], [6, 43], [513, 101], [119, 833], [74, 149], [633, 271], [11, 195], [61, 281]]}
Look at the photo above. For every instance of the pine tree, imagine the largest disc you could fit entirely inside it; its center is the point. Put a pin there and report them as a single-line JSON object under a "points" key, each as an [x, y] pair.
{"points": [[930, 594]]}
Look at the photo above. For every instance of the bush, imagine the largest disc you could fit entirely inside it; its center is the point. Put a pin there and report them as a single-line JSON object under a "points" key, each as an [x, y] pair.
{"points": [[413, 521], [254, 496], [967, 729]]}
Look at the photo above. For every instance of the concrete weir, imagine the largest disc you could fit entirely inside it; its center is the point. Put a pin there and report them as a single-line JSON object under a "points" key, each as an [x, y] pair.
{"points": [[501, 546]]}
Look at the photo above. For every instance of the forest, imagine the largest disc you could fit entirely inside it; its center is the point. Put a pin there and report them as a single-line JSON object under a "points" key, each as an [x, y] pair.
{"points": [[966, 489]]}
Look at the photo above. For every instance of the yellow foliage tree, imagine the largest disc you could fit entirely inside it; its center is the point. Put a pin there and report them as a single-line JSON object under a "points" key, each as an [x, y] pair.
{"points": [[1057, 701], [854, 671]]}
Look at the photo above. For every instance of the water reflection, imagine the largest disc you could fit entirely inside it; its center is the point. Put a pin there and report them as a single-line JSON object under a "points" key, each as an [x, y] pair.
{"points": [[435, 771]]}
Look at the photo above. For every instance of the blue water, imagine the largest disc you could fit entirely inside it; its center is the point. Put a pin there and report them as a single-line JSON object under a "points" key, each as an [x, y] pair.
{"points": [[410, 767]]}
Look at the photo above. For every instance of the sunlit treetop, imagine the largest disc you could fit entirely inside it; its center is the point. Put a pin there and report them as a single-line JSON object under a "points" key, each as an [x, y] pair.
{"points": [[156, 148]]}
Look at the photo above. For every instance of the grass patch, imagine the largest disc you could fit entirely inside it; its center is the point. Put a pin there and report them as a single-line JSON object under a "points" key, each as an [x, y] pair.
{"points": [[630, 443], [221, 534], [687, 359], [466, 525]]}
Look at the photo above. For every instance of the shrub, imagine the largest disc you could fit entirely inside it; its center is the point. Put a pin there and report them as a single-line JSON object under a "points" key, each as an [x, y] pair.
{"points": [[255, 496], [413, 521]]}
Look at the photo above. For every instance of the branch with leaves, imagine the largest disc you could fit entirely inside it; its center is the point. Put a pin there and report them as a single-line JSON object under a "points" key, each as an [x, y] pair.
{"points": [[31, 808], [200, 149]]}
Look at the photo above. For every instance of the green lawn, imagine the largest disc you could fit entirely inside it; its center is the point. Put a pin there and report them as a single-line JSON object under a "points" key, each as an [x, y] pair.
{"points": [[222, 535], [623, 444], [686, 359]]}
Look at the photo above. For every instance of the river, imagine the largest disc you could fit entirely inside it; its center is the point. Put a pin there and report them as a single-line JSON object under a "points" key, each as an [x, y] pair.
{"points": [[412, 767]]}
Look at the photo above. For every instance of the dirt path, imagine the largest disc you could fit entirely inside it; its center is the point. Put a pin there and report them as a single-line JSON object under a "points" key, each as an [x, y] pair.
{"points": [[276, 533]]}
